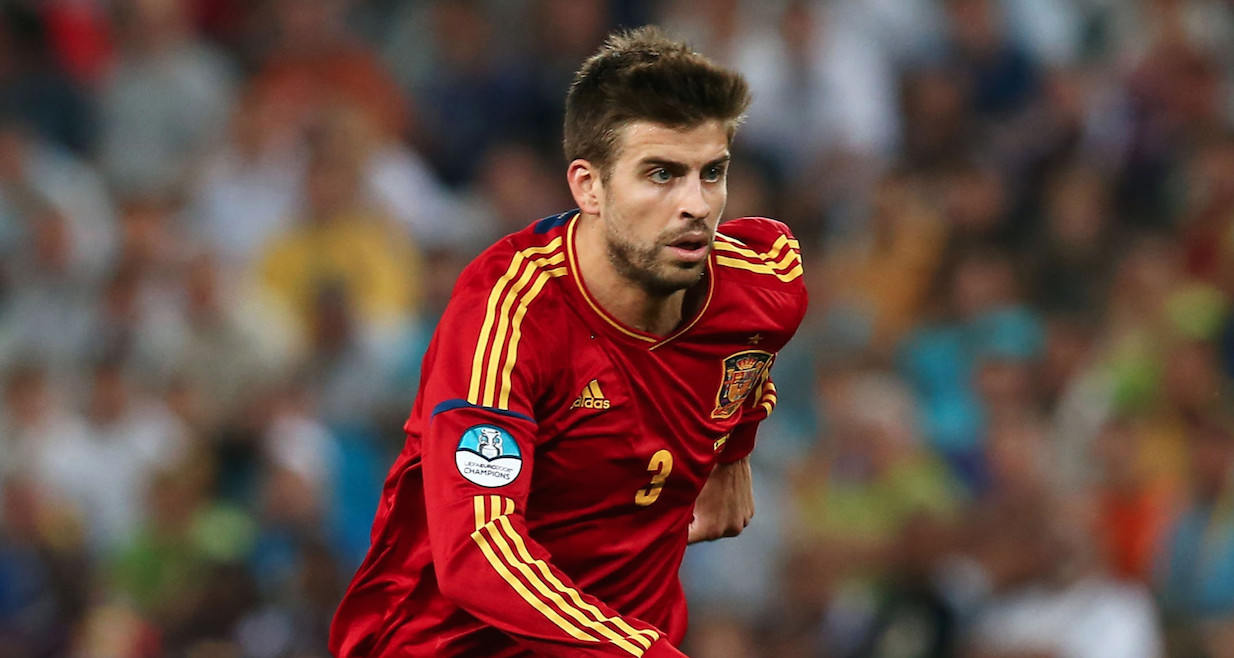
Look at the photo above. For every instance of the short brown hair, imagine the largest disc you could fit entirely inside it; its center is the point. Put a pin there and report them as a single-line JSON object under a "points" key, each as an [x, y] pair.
{"points": [[642, 74]]}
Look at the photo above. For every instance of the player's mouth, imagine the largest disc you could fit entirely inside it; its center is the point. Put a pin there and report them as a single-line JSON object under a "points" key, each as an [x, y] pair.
{"points": [[692, 247]]}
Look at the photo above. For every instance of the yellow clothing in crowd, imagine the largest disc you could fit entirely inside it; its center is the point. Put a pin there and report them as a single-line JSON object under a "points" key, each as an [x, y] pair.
{"points": [[377, 267]]}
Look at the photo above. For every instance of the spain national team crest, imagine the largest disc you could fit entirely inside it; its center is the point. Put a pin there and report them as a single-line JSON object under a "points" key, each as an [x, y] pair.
{"points": [[488, 456], [742, 372]]}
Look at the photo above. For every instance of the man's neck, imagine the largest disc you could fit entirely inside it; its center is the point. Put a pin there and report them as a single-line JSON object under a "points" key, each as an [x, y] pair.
{"points": [[622, 298]]}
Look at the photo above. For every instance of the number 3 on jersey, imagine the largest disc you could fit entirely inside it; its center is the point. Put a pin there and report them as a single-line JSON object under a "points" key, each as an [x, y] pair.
{"points": [[661, 465]]}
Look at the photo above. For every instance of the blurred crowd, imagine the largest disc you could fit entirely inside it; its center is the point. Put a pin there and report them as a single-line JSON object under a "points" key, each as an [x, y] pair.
{"points": [[227, 228]]}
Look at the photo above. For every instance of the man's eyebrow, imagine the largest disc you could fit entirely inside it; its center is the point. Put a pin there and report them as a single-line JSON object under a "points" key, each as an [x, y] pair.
{"points": [[671, 166], [675, 167]]}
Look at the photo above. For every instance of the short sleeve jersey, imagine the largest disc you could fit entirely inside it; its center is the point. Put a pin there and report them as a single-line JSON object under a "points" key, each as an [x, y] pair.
{"points": [[541, 503]]}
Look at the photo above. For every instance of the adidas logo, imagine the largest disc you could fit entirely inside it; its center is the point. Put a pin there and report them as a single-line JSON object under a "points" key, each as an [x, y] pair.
{"points": [[591, 397]]}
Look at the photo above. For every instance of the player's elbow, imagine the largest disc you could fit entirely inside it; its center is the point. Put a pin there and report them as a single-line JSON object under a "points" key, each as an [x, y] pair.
{"points": [[456, 574], [453, 585]]}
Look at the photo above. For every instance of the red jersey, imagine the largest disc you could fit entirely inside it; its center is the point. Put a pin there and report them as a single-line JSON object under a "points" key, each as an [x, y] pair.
{"points": [[554, 455]]}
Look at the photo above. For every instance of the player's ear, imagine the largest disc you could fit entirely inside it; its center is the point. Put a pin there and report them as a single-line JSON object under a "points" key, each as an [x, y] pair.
{"points": [[586, 186]]}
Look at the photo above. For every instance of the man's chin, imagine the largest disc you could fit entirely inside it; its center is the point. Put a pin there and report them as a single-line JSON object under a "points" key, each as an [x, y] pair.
{"points": [[680, 276]]}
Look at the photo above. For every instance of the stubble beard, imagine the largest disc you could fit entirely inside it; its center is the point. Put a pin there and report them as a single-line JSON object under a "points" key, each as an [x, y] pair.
{"points": [[645, 267]]}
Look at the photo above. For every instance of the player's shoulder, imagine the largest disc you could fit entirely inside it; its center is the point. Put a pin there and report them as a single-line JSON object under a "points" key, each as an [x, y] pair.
{"points": [[759, 251], [522, 262]]}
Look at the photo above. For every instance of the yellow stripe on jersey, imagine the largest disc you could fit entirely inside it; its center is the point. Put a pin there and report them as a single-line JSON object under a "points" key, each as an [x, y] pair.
{"points": [[643, 637], [507, 294], [490, 508], [489, 317], [502, 529], [545, 597], [731, 253], [761, 268], [500, 338], [507, 553], [727, 243], [769, 398], [516, 334], [528, 596]]}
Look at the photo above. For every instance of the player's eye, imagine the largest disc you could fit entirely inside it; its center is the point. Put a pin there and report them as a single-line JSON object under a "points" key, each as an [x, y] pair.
{"points": [[660, 175], [713, 173]]}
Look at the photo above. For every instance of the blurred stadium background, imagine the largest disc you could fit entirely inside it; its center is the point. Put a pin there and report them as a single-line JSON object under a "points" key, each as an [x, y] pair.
{"points": [[227, 228]]}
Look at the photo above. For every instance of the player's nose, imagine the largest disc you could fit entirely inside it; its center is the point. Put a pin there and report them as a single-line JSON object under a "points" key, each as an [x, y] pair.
{"points": [[694, 201]]}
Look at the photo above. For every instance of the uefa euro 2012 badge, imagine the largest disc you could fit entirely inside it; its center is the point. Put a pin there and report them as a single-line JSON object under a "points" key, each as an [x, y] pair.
{"points": [[488, 456]]}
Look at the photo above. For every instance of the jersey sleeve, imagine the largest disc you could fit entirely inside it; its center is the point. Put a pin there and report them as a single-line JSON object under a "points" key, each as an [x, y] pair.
{"points": [[478, 449], [766, 252], [757, 407]]}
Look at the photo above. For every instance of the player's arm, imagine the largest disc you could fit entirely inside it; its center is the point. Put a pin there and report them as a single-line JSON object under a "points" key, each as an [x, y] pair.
{"points": [[725, 506], [756, 408], [767, 249], [478, 454]]}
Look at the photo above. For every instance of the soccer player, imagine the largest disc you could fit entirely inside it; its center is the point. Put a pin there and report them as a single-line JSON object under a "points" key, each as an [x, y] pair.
{"points": [[591, 395]]}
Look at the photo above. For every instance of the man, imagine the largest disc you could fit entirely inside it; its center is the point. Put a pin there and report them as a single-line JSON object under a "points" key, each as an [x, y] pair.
{"points": [[591, 374]]}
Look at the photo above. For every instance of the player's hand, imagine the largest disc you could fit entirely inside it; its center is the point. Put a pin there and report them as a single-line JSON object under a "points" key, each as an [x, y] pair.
{"points": [[726, 503]]}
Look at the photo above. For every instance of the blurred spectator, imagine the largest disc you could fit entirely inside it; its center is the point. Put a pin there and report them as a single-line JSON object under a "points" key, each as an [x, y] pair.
{"points": [[315, 62], [1003, 76], [852, 495], [470, 91], [1132, 509], [937, 117], [982, 317], [34, 90], [1207, 217], [1051, 596], [105, 470], [913, 616], [976, 202], [1072, 256], [561, 33], [164, 100], [38, 180], [824, 86], [48, 315], [1174, 104], [349, 378], [250, 184], [133, 321], [45, 578], [226, 350], [161, 569], [1196, 565], [884, 272], [398, 182], [342, 241], [514, 186], [1077, 393], [80, 37], [35, 417]]}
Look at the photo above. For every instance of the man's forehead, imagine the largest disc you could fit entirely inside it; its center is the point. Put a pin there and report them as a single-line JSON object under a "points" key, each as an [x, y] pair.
{"points": [[642, 140]]}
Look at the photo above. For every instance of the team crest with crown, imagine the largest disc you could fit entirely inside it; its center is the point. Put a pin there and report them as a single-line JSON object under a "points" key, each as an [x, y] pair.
{"points": [[742, 372]]}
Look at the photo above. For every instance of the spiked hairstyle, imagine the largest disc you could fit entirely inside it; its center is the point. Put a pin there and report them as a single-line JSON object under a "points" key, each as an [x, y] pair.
{"points": [[643, 75]]}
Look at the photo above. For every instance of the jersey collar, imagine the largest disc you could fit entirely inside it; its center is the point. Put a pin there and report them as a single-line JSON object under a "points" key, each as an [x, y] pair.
{"points": [[649, 340]]}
